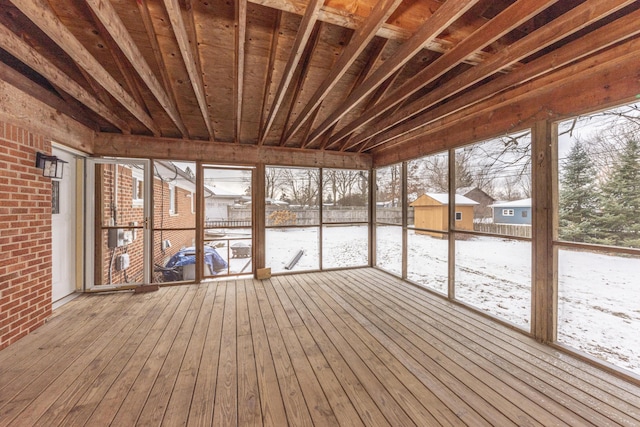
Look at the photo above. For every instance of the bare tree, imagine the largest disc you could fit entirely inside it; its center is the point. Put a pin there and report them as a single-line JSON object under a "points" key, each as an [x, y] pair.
{"points": [[273, 180], [302, 185]]}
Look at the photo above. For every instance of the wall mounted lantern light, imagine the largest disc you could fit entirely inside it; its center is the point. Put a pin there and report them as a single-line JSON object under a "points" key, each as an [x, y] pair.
{"points": [[52, 167]]}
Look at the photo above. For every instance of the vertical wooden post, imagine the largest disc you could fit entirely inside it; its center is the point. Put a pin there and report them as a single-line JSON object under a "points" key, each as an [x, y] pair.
{"points": [[200, 217], [544, 291], [405, 217], [320, 216], [450, 225], [373, 197], [259, 220], [98, 220]]}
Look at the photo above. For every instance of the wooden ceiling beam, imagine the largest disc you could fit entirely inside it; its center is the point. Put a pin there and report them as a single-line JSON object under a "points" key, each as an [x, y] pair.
{"points": [[108, 17], [59, 101], [366, 71], [342, 18], [484, 98], [137, 146], [272, 59], [302, 37], [302, 74], [441, 19], [563, 26], [21, 109], [359, 41], [30, 57], [39, 12], [143, 8], [120, 61], [195, 74], [241, 34], [603, 80], [510, 18]]}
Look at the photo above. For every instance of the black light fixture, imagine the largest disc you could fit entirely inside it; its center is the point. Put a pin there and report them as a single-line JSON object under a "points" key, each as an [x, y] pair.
{"points": [[52, 167]]}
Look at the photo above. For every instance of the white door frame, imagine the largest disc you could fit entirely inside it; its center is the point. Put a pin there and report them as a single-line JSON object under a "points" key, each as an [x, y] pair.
{"points": [[70, 241]]}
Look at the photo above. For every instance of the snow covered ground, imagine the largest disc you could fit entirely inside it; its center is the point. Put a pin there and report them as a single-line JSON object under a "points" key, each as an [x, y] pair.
{"points": [[599, 295]]}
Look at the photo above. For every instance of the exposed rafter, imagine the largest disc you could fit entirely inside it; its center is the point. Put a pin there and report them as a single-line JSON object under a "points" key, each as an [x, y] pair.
{"points": [[613, 33], [357, 44], [59, 101], [18, 48], [302, 74], [507, 20], [241, 34], [155, 47], [565, 25], [39, 12], [180, 32], [434, 25], [269, 75], [118, 56], [304, 32]]}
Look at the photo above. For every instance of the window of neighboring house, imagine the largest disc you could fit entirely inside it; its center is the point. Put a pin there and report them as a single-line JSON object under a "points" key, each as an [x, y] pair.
{"points": [[458, 216], [137, 191], [525, 214], [173, 200], [507, 212]]}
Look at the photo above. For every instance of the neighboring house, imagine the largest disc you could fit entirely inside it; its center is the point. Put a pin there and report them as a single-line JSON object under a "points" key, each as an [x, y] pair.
{"points": [[482, 211], [431, 212], [514, 212], [217, 202]]}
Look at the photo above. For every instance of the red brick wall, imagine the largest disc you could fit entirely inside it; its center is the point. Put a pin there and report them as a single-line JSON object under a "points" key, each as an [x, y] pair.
{"points": [[25, 235]]}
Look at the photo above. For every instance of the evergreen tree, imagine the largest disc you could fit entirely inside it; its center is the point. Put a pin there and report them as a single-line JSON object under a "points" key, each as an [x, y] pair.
{"points": [[619, 222], [578, 196]]}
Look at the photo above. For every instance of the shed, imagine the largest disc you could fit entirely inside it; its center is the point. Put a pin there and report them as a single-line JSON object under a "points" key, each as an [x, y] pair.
{"points": [[514, 212], [430, 211], [481, 212]]}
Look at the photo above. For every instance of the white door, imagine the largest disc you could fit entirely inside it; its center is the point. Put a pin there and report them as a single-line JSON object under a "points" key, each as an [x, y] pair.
{"points": [[63, 229]]}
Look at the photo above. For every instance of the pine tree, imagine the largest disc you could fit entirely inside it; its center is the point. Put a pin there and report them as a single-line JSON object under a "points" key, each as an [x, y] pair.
{"points": [[578, 196], [619, 222]]}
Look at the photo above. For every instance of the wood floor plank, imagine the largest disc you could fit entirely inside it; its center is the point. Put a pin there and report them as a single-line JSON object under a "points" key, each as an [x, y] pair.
{"points": [[30, 402], [394, 413], [491, 368], [177, 412], [486, 348], [271, 403], [249, 405], [225, 411], [388, 369], [347, 347], [323, 359], [480, 388], [49, 342], [204, 393], [141, 389], [159, 395], [425, 362], [546, 358], [317, 406], [74, 400], [116, 393], [290, 389], [567, 370]]}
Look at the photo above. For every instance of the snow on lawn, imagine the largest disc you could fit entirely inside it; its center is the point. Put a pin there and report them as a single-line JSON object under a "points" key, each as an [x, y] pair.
{"points": [[599, 295]]}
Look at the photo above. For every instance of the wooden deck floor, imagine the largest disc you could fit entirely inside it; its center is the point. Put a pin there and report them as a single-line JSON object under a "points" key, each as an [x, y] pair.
{"points": [[346, 348]]}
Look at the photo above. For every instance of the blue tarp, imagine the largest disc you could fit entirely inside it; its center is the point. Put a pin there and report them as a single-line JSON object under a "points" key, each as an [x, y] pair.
{"points": [[187, 256]]}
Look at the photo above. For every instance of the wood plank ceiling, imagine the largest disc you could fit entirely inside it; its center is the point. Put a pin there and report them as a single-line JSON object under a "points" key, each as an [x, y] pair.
{"points": [[334, 75]]}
